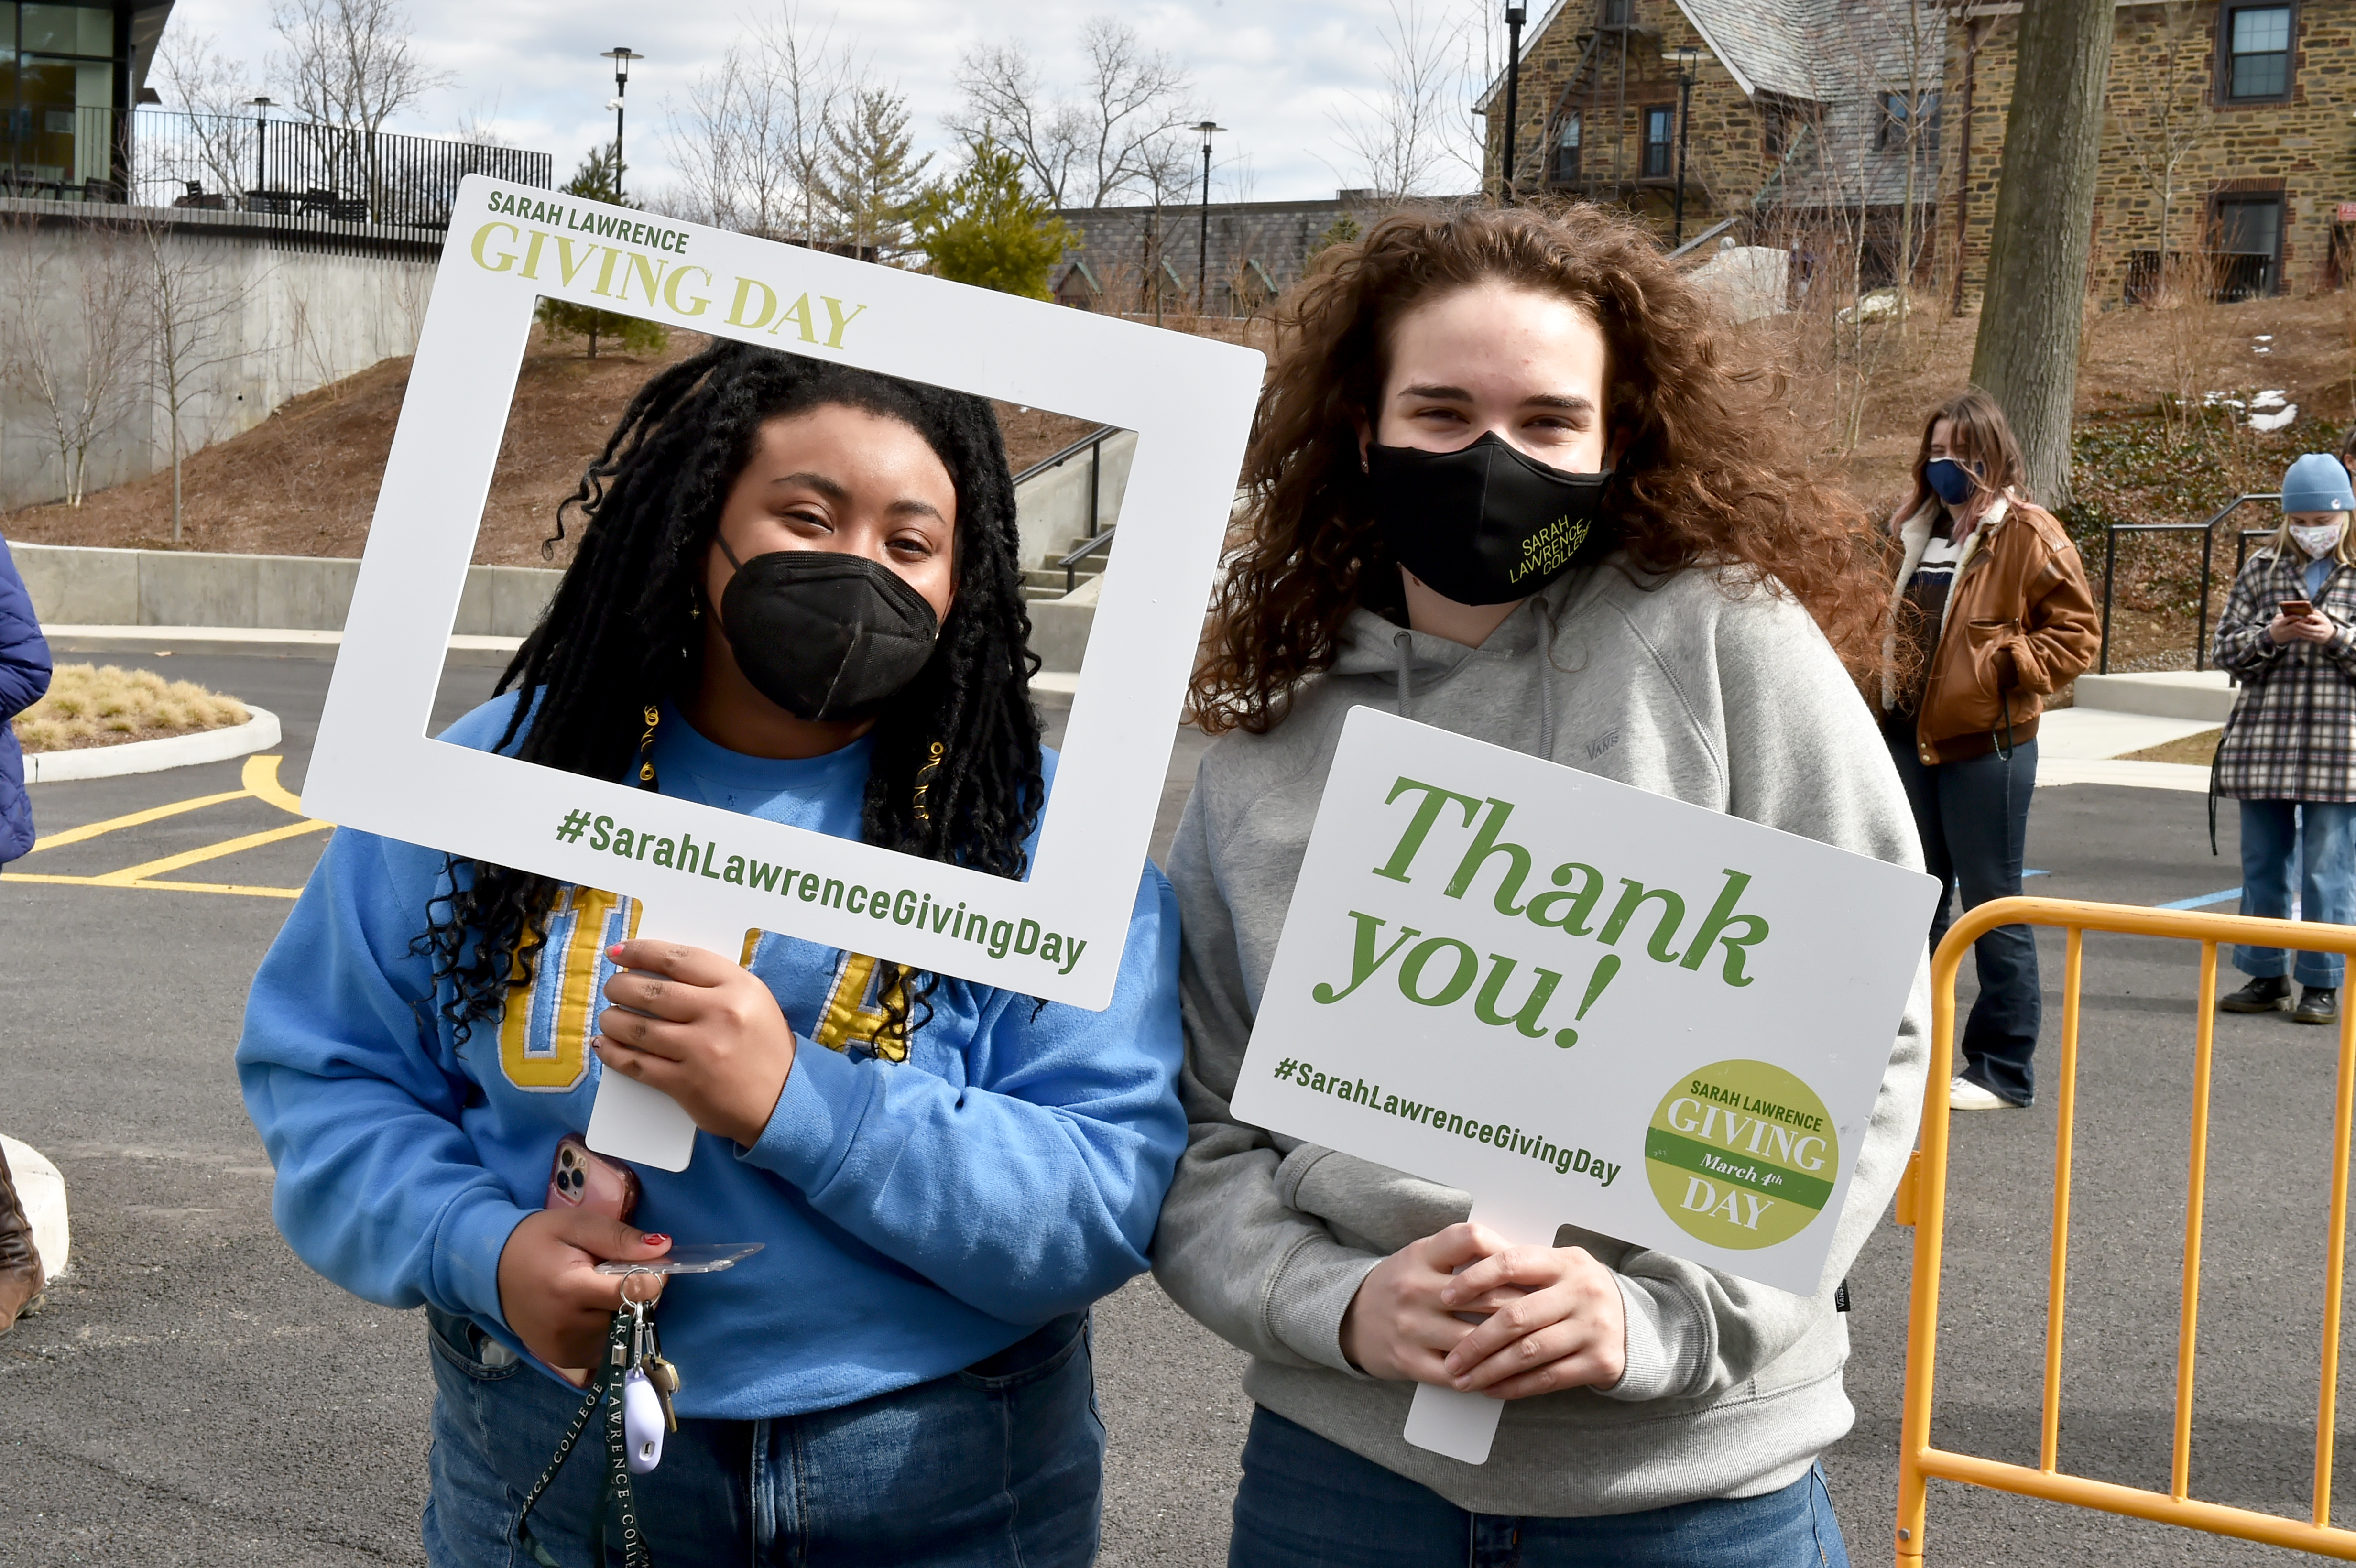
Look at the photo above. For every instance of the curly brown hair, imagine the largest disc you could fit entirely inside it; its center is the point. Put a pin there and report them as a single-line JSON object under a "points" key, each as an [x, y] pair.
{"points": [[1704, 474]]}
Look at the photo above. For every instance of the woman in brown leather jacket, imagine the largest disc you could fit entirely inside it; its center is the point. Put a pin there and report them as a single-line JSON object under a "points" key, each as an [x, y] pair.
{"points": [[1992, 616]]}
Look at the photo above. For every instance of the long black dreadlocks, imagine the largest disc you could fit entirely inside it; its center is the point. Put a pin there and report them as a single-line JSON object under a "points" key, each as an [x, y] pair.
{"points": [[621, 634]]}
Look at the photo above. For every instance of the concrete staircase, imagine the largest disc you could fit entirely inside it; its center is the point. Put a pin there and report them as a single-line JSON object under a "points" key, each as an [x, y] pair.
{"points": [[1046, 581]]}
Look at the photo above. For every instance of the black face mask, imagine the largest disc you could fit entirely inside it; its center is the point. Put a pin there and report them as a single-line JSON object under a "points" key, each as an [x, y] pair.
{"points": [[1485, 524], [824, 636]]}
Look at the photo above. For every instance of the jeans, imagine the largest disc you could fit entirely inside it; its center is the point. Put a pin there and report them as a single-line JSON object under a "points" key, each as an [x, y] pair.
{"points": [[1974, 820], [2317, 839], [999, 1464], [1306, 1502]]}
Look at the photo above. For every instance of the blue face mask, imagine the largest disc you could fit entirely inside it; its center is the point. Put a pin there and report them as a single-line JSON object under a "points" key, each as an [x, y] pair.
{"points": [[1950, 479]]}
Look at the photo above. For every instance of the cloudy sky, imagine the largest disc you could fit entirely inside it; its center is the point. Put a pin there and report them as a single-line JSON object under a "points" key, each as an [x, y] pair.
{"points": [[1275, 71]]}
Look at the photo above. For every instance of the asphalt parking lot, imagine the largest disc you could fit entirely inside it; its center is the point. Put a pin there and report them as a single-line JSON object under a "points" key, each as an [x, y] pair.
{"points": [[192, 1393]]}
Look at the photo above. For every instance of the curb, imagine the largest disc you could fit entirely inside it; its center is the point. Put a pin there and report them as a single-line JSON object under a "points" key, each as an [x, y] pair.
{"points": [[464, 649], [257, 732], [43, 1192]]}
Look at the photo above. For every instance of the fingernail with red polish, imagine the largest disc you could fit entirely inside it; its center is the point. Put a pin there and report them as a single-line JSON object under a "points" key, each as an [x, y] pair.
{"points": [[614, 951], [655, 1239]]}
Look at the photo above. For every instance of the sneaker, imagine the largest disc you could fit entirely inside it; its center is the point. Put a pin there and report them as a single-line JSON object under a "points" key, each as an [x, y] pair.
{"points": [[2269, 993], [2317, 1005], [1962, 1094]]}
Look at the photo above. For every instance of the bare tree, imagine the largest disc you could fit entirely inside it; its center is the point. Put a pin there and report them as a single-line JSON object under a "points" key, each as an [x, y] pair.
{"points": [[1407, 136], [1100, 143], [194, 307], [754, 139], [214, 90], [66, 345], [348, 62], [2159, 102], [1006, 101]]}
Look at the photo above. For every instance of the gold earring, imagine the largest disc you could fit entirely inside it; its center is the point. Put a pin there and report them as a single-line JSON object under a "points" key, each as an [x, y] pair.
{"points": [[647, 747], [924, 780]]}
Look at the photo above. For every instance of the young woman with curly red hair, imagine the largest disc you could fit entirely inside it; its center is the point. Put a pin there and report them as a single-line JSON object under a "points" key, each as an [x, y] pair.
{"points": [[1444, 391]]}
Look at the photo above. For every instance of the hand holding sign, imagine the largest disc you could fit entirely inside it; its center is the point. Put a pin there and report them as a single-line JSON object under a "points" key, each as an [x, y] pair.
{"points": [[1584, 1004], [706, 875]]}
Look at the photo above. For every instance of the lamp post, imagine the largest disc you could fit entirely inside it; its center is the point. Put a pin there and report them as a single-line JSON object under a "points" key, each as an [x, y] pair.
{"points": [[261, 148], [621, 55], [1686, 56], [1514, 15], [1202, 239]]}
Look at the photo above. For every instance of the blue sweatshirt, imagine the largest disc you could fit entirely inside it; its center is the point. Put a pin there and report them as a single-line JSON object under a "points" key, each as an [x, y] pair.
{"points": [[925, 1202]]}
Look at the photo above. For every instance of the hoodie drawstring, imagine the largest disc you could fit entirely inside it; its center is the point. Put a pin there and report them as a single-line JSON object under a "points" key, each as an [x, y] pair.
{"points": [[1546, 685], [1402, 644]]}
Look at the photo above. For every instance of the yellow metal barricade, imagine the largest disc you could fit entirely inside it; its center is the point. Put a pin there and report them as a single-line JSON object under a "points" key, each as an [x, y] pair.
{"points": [[1922, 1202]]}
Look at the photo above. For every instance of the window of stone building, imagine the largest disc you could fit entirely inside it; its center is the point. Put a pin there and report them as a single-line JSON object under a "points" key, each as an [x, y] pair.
{"points": [[2256, 56], [1779, 123], [1905, 114], [1615, 13], [1566, 149], [2247, 230], [1660, 137]]}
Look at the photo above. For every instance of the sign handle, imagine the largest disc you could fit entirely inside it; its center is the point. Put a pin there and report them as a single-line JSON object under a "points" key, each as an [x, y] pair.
{"points": [[630, 1121], [1464, 1425]]}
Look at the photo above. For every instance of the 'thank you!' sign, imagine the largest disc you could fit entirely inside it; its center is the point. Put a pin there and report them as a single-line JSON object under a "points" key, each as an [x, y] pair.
{"points": [[1584, 1004], [704, 875]]}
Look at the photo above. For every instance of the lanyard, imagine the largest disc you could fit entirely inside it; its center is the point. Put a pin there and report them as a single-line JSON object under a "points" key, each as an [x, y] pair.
{"points": [[615, 1365]]}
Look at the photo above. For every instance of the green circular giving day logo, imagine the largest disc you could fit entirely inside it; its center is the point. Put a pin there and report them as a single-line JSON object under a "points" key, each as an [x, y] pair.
{"points": [[1741, 1154]]}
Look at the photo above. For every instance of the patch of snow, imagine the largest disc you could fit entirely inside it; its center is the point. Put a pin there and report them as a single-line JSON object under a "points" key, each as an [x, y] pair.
{"points": [[2265, 337], [2275, 420], [2273, 400]]}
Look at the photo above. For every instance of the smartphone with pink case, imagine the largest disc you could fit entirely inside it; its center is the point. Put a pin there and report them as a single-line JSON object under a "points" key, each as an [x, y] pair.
{"points": [[580, 1179]]}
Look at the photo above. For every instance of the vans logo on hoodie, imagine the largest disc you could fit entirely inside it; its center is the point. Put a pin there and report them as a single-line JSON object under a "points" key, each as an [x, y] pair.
{"points": [[1603, 743]]}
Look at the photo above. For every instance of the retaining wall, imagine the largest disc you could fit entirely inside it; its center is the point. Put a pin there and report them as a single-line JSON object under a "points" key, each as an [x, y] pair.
{"points": [[83, 587]]}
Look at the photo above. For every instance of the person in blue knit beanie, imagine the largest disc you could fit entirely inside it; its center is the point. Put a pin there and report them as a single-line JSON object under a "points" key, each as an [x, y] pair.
{"points": [[2288, 639]]}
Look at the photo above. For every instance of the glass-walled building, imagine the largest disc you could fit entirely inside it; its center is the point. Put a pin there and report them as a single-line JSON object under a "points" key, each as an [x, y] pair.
{"points": [[69, 78]]}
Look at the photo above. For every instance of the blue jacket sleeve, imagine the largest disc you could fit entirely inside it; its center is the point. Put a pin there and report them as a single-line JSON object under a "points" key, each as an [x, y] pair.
{"points": [[24, 651], [346, 1077], [1031, 1190]]}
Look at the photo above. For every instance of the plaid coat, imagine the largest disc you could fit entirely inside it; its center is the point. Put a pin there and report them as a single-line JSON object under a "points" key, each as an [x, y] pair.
{"points": [[2292, 735]]}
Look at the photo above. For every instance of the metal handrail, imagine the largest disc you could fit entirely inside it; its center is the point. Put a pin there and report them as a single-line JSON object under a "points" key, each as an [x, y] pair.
{"points": [[2208, 547], [1093, 444], [1070, 563]]}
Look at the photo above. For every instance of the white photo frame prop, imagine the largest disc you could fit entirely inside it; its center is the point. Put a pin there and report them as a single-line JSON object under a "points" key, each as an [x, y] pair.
{"points": [[1703, 1006], [1056, 935]]}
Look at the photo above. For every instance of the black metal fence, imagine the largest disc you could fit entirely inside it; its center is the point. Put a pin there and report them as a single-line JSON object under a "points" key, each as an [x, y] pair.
{"points": [[2208, 532], [155, 157]]}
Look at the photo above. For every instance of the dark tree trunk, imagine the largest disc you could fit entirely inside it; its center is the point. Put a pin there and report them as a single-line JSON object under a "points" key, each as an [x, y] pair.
{"points": [[2026, 353]]}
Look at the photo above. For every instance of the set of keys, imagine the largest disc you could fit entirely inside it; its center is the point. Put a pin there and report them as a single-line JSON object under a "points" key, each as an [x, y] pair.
{"points": [[648, 1387]]}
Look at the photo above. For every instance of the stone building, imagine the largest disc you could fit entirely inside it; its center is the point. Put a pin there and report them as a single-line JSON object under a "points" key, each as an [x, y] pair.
{"points": [[1798, 123], [1875, 128], [1130, 259], [2250, 101]]}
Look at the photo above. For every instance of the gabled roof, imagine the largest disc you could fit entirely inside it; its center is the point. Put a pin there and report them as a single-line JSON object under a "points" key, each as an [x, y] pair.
{"points": [[1763, 44], [1815, 50]]}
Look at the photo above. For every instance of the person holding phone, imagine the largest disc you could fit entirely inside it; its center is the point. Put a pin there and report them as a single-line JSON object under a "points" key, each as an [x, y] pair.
{"points": [[797, 594], [1509, 478], [1992, 616], [2288, 754]]}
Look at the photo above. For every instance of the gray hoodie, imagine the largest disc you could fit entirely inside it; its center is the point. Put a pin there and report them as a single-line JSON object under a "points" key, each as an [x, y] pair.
{"points": [[1722, 697]]}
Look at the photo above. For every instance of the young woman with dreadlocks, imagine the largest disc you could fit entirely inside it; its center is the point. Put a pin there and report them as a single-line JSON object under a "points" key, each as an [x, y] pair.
{"points": [[1504, 481], [945, 1176]]}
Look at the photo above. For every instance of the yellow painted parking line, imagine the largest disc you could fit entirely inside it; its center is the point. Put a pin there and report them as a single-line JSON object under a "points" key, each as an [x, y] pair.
{"points": [[153, 814], [131, 874], [155, 887], [259, 781]]}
